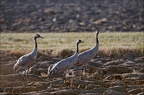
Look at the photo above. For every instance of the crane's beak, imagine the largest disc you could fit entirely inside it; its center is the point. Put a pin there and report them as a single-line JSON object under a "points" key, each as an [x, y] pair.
{"points": [[41, 37], [82, 41]]}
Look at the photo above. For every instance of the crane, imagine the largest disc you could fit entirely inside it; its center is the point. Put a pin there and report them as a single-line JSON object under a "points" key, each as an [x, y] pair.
{"points": [[27, 60], [86, 56], [65, 64]]}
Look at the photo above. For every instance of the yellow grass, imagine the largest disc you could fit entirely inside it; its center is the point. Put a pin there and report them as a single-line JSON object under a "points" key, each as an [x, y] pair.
{"points": [[110, 43]]}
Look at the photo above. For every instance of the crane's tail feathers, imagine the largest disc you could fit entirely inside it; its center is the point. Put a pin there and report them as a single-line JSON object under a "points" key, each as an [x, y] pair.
{"points": [[15, 67]]}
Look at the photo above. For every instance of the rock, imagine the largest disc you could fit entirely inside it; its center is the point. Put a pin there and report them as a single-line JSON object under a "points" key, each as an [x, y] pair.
{"points": [[97, 74], [91, 69], [5, 93], [118, 88], [45, 64], [139, 60], [90, 94], [142, 70], [141, 76], [64, 92], [100, 21], [139, 82], [114, 77], [33, 69], [48, 10], [97, 90], [42, 70], [133, 76], [40, 58], [111, 63], [130, 56], [95, 63], [142, 93], [130, 87], [117, 70], [54, 60], [90, 86], [117, 83], [82, 86], [135, 91], [128, 63], [78, 83], [112, 92]]}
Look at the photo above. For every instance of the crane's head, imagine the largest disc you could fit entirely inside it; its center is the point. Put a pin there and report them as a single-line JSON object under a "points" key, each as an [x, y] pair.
{"points": [[97, 32], [37, 36], [15, 67], [54, 71], [79, 41], [51, 70]]}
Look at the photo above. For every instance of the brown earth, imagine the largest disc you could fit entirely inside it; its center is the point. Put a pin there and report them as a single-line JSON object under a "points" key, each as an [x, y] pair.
{"points": [[104, 76], [71, 15]]}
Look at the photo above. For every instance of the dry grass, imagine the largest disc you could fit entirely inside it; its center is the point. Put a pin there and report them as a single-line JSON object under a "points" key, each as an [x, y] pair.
{"points": [[111, 44]]}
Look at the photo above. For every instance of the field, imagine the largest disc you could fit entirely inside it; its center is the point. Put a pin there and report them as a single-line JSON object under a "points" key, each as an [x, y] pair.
{"points": [[59, 41], [118, 65]]}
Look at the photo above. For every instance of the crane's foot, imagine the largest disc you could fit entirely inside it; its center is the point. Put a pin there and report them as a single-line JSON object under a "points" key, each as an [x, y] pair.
{"points": [[64, 79], [84, 70], [25, 84]]}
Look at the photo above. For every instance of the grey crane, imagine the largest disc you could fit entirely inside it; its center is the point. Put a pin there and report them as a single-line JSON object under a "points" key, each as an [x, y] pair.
{"points": [[86, 56], [25, 61], [65, 64]]}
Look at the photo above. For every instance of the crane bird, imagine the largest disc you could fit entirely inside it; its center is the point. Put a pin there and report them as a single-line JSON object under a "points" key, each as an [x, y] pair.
{"points": [[25, 61], [86, 56], [62, 66]]}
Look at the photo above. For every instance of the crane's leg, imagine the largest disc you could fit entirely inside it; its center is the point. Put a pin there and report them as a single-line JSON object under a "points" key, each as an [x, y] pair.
{"points": [[23, 79], [28, 70], [65, 76], [19, 73], [25, 72], [26, 75], [83, 71]]}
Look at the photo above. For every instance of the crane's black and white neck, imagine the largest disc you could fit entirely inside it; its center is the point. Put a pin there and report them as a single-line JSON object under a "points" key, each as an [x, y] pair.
{"points": [[97, 41], [34, 52], [77, 43], [35, 39]]}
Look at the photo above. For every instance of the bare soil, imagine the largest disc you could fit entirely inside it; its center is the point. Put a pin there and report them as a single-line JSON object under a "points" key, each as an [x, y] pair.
{"points": [[103, 76], [74, 15]]}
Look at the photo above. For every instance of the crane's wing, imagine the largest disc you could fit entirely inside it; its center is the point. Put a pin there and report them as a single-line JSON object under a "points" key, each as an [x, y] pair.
{"points": [[25, 59], [67, 63], [86, 56]]}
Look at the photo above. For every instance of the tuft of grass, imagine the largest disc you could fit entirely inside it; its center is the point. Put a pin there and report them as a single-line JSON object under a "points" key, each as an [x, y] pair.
{"points": [[17, 53], [65, 53]]}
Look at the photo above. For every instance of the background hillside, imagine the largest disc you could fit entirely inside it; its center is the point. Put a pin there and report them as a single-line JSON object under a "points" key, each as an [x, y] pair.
{"points": [[71, 15]]}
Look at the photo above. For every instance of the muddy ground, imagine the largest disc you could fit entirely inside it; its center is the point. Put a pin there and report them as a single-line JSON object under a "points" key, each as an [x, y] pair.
{"points": [[103, 76]]}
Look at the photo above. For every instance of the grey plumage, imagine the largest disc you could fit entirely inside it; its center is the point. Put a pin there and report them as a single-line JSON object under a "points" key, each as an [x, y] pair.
{"points": [[27, 60], [65, 64], [88, 55]]}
